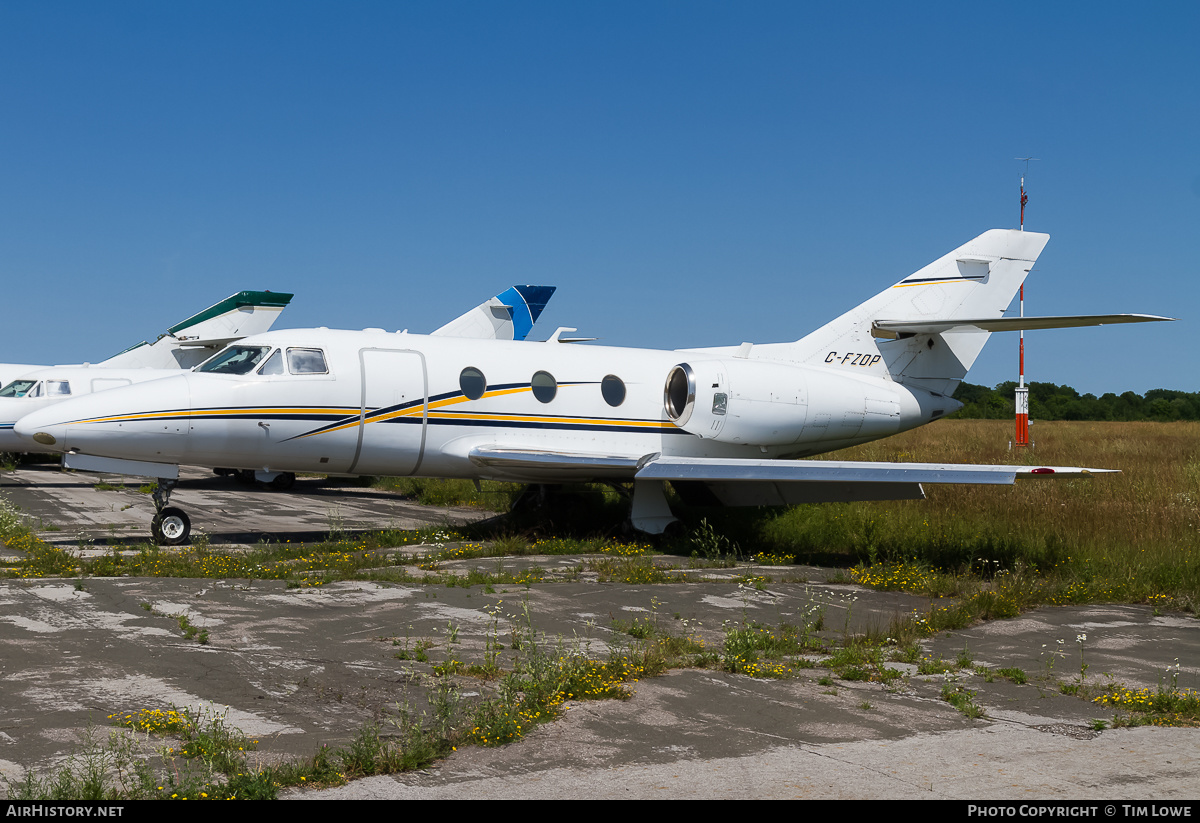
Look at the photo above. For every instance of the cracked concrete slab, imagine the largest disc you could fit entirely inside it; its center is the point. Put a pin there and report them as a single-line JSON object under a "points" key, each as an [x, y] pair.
{"points": [[305, 667]]}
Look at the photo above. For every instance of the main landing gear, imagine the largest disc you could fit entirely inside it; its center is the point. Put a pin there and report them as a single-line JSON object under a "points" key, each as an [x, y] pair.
{"points": [[170, 526]]}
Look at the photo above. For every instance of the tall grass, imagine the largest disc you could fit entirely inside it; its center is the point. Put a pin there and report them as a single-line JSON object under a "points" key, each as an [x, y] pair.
{"points": [[1121, 537], [1131, 537]]}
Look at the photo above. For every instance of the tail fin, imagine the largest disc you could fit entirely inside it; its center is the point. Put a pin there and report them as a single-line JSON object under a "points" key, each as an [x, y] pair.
{"points": [[192, 341], [977, 280], [509, 315]]}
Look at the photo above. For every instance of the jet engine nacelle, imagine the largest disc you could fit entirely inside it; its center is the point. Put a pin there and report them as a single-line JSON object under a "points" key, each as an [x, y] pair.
{"points": [[763, 403]]}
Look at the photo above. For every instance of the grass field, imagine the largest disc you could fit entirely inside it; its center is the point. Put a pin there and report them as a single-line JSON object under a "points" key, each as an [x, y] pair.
{"points": [[1128, 537]]}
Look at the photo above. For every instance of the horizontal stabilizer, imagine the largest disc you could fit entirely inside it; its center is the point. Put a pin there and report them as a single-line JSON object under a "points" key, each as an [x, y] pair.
{"points": [[210, 343], [894, 328]]}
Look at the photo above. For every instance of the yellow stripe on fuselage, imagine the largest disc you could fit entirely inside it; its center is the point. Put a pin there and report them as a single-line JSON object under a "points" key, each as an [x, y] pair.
{"points": [[116, 418], [934, 283], [439, 409], [544, 418]]}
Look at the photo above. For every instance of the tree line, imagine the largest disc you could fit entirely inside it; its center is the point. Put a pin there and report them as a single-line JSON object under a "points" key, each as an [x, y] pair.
{"points": [[1050, 401]]}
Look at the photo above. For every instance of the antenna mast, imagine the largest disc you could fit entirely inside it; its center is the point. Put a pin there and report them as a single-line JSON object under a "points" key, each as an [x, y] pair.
{"points": [[1022, 393]]}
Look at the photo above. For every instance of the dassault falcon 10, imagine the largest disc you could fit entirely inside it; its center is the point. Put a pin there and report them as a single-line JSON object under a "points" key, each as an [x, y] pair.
{"points": [[723, 425]]}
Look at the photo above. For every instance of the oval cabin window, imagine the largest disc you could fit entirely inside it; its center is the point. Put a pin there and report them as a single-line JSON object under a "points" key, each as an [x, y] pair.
{"points": [[472, 382], [612, 388], [544, 386]]}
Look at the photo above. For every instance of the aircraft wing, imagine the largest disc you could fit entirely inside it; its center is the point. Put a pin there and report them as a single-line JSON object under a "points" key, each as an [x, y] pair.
{"points": [[750, 482], [741, 482], [509, 315], [817, 471], [894, 328]]}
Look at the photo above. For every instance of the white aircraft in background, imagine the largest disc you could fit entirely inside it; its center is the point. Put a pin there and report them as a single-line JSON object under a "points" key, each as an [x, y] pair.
{"points": [[184, 345], [187, 343], [719, 423], [509, 315], [11, 371]]}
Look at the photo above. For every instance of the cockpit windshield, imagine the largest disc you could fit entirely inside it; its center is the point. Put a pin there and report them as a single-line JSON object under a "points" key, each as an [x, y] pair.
{"points": [[17, 388], [274, 364], [235, 360]]}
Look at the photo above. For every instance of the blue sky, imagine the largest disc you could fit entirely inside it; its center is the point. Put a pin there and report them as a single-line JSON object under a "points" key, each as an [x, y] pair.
{"points": [[687, 173]]}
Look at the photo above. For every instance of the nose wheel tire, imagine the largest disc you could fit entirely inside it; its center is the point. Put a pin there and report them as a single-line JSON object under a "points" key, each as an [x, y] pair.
{"points": [[171, 527]]}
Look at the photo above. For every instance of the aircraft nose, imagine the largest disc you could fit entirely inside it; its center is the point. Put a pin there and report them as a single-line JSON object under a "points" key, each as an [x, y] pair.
{"points": [[37, 427], [123, 422]]}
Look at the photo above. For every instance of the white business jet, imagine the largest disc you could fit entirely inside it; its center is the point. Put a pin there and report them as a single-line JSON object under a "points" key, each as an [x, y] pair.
{"points": [[717, 423], [509, 315]]}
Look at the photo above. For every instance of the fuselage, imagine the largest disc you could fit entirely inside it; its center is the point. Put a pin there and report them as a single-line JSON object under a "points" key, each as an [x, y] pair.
{"points": [[378, 403]]}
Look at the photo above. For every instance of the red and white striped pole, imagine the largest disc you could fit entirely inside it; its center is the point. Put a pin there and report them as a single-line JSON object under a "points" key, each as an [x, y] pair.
{"points": [[1022, 390], [1022, 399]]}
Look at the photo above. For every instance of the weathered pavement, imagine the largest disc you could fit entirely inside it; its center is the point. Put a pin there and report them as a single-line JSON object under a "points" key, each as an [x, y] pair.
{"points": [[298, 668], [221, 509]]}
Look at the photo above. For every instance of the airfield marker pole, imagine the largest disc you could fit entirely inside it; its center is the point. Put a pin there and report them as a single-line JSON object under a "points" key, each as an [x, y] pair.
{"points": [[1022, 398], [1022, 403]]}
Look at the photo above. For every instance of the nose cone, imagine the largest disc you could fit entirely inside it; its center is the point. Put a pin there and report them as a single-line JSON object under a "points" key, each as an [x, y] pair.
{"points": [[38, 431], [13, 409], [143, 421]]}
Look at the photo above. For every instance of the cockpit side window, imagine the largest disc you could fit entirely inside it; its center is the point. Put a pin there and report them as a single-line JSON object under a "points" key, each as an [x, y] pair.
{"points": [[306, 361], [234, 360], [16, 388], [274, 364], [57, 388]]}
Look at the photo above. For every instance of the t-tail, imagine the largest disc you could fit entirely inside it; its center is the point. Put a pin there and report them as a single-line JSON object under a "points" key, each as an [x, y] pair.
{"points": [[509, 315], [192, 341], [927, 330]]}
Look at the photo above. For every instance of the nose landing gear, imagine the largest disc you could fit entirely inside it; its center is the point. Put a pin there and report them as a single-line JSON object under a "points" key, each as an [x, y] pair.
{"points": [[170, 526]]}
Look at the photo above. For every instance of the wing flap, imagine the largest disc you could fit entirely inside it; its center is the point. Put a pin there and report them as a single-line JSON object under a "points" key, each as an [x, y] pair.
{"points": [[768, 493], [546, 465]]}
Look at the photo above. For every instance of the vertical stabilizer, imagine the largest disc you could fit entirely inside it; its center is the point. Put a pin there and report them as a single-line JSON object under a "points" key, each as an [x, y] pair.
{"points": [[192, 341], [977, 280], [509, 315]]}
